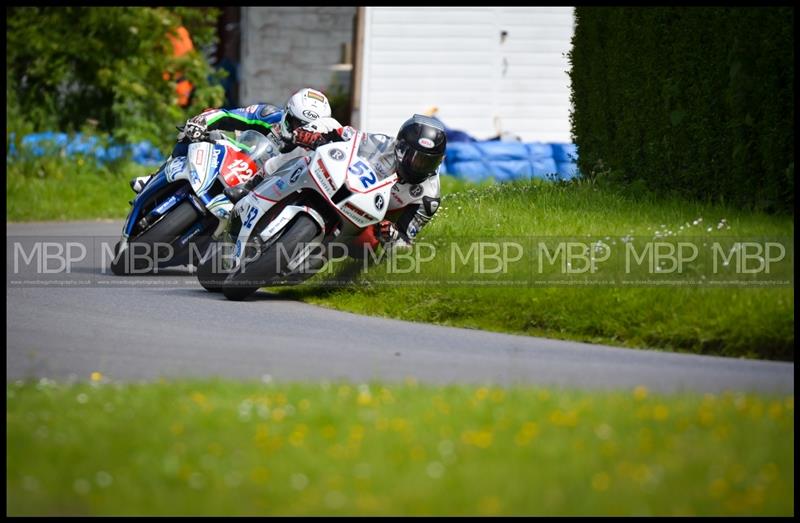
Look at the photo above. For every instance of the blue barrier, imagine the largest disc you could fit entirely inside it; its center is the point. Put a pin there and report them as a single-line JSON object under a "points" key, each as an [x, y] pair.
{"points": [[471, 160], [506, 161], [49, 142]]}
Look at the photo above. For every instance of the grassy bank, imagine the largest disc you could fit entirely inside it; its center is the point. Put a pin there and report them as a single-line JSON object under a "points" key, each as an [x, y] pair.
{"points": [[730, 321], [53, 188], [217, 447]]}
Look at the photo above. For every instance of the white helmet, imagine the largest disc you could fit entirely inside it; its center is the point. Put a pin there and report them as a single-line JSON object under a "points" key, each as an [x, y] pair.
{"points": [[304, 106]]}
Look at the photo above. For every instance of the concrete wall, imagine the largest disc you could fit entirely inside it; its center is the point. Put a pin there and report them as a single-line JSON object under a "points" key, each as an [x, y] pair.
{"points": [[287, 48]]}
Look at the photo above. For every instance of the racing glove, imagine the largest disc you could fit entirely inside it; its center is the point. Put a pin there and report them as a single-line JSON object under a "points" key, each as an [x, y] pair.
{"points": [[386, 232], [313, 139], [195, 130]]}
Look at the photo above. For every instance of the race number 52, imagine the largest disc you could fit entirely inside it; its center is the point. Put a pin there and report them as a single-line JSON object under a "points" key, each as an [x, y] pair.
{"points": [[364, 173]]}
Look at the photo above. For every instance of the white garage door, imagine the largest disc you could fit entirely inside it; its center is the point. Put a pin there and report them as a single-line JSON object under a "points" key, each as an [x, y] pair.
{"points": [[488, 70]]}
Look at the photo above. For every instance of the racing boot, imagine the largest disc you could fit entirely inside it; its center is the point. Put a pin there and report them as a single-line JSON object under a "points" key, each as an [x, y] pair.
{"points": [[138, 183]]}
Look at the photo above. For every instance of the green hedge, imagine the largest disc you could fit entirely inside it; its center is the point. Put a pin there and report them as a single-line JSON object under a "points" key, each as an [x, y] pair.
{"points": [[698, 101]]}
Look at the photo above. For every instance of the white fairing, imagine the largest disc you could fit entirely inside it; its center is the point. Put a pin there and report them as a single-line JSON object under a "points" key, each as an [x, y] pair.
{"points": [[330, 168]]}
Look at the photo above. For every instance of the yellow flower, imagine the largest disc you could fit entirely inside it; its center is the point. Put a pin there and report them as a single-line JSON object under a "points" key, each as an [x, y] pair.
{"points": [[479, 438], [498, 395], [543, 395], [278, 415], [640, 393], [489, 505], [343, 392], [296, 438], [386, 396], [526, 433], [564, 419], [418, 453], [718, 488], [398, 424], [356, 433], [660, 412], [481, 393], [364, 398], [601, 481], [775, 410], [259, 475], [329, 432], [96, 376]]}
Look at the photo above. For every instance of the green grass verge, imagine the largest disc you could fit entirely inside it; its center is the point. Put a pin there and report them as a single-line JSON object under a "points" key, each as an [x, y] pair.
{"points": [[730, 321], [226, 447], [53, 188]]}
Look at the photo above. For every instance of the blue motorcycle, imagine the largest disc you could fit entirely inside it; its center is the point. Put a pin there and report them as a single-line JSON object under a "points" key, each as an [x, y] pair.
{"points": [[174, 217]]}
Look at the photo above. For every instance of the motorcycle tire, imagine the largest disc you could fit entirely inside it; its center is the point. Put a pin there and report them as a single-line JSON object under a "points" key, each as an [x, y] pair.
{"points": [[236, 288], [164, 231]]}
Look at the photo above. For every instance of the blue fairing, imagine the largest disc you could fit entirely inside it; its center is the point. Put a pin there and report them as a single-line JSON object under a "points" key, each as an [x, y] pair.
{"points": [[153, 186]]}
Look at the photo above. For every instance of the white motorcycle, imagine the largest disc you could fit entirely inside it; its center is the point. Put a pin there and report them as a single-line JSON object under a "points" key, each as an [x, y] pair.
{"points": [[277, 230]]}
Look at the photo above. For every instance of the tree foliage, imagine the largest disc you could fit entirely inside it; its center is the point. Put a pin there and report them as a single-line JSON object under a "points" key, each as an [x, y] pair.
{"points": [[105, 66]]}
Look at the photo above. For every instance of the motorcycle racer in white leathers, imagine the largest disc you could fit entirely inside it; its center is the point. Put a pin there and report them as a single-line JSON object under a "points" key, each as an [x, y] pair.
{"points": [[415, 154]]}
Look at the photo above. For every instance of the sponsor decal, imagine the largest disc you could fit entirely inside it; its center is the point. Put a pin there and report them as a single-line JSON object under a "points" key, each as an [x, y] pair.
{"points": [[415, 190], [166, 205], [311, 115], [296, 174], [323, 177], [251, 108], [426, 142], [200, 156], [357, 214], [176, 167], [316, 96], [434, 206], [217, 157], [378, 202], [194, 176], [280, 183], [336, 154], [412, 231]]}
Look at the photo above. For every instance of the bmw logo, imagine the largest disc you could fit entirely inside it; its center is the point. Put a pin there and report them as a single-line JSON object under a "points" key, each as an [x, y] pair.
{"points": [[378, 202]]}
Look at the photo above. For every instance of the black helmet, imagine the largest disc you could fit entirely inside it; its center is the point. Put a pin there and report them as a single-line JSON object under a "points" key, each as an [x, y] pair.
{"points": [[420, 148]]}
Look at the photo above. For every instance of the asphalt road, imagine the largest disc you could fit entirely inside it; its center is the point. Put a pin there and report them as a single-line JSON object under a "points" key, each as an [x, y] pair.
{"points": [[63, 326]]}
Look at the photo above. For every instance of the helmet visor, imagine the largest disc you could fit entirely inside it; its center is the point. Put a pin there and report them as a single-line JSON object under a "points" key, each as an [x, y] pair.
{"points": [[418, 165], [291, 122]]}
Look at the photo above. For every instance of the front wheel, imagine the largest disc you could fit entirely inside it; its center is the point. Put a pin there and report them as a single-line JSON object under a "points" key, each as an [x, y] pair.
{"points": [[248, 278], [163, 232], [210, 272]]}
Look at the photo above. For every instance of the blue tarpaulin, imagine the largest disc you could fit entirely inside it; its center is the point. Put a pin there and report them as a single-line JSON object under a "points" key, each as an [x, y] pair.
{"points": [[466, 158], [506, 161], [49, 142]]}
